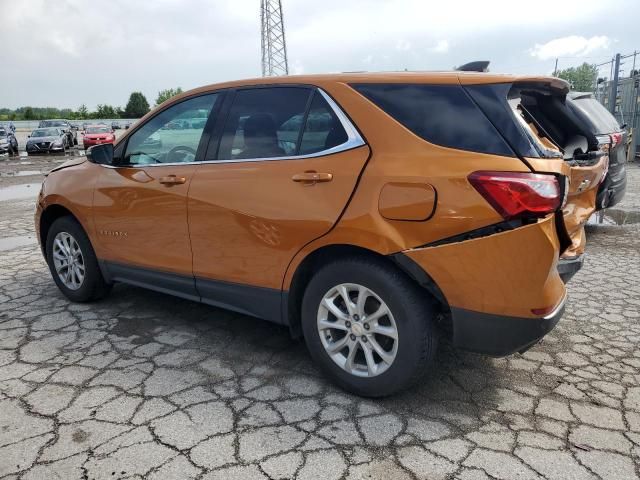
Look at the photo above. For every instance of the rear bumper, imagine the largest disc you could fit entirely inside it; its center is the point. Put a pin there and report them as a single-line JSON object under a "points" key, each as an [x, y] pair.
{"points": [[494, 284], [569, 266], [612, 189], [498, 335]]}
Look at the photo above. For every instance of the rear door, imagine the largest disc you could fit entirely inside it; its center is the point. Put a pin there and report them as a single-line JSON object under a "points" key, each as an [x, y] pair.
{"points": [[284, 166]]}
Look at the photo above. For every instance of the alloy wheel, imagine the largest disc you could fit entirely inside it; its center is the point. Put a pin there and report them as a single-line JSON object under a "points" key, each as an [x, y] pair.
{"points": [[68, 261], [357, 330]]}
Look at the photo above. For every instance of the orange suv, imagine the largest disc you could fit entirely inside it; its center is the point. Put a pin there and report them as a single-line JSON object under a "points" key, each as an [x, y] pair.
{"points": [[366, 212]]}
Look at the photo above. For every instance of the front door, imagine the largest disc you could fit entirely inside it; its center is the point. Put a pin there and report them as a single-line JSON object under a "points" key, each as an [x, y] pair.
{"points": [[140, 205], [287, 163]]}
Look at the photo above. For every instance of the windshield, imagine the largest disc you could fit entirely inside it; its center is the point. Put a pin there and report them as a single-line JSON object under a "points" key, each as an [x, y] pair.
{"points": [[3, 133], [98, 130], [596, 114], [45, 132]]}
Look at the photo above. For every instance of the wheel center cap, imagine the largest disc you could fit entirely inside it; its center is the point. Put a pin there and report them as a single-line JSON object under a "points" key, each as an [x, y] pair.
{"points": [[357, 329]]}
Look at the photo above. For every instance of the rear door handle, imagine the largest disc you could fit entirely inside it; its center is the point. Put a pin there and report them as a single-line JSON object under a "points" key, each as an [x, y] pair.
{"points": [[172, 180], [311, 178]]}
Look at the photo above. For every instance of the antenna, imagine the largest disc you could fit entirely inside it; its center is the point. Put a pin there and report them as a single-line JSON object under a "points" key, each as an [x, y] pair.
{"points": [[274, 47]]}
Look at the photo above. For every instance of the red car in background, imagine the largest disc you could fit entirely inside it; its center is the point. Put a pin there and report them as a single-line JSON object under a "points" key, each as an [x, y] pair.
{"points": [[96, 135]]}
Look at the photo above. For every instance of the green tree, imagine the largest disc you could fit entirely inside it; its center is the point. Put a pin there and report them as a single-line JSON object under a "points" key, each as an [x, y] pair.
{"points": [[106, 111], [164, 95], [137, 106], [29, 114], [83, 111], [582, 78]]}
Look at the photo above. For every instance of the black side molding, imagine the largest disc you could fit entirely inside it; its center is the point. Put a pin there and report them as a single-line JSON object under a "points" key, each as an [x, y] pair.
{"points": [[164, 282], [257, 302]]}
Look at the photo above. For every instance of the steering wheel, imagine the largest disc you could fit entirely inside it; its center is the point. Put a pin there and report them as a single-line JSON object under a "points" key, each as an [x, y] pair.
{"points": [[177, 150]]}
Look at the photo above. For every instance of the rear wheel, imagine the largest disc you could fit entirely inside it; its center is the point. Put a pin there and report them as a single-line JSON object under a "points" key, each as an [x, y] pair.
{"points": [[368, 326], [73, 263]]}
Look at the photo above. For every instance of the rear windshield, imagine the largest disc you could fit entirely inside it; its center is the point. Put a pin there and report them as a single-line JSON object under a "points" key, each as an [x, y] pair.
{"points": [[596, 114], [98, 130], [440, 114]]}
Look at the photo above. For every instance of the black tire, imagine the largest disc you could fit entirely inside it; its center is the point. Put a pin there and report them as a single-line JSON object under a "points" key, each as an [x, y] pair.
{"points": [[94, 285], [412, 309]]}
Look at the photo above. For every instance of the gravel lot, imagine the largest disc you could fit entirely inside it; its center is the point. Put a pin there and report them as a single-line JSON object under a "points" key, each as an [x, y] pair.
{"points": [[144, 386]]}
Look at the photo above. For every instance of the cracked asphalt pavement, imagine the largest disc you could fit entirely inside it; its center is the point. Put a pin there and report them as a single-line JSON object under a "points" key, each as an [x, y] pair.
{"points": [[141, 385]]}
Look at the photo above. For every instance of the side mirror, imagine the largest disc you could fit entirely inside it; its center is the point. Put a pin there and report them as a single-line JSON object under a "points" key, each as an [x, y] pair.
{"points": [[101, 154], [28, 136]]}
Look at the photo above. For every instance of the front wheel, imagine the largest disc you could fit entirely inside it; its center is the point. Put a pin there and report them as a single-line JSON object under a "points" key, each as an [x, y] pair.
{"points": [[73, 263], [368, 326]]}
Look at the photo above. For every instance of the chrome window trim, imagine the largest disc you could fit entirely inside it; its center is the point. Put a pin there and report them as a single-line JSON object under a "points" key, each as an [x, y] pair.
{"points": [[354, 140]]}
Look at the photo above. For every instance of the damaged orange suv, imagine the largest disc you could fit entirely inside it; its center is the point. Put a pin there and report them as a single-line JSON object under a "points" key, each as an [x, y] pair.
{"points": [[366, 212]]}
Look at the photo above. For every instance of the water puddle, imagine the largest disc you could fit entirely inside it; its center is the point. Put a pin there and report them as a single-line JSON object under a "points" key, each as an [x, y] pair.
{"points": [[10, 243], [614, 216], [19, 192], [23, 173]]}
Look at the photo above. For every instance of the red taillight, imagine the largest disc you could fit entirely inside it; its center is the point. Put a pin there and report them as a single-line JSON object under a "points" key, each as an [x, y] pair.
{"points": [[514, 194], [616, 138], [543, 311]]}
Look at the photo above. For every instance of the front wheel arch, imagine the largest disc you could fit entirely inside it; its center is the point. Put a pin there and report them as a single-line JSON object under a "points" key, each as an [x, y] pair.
{"points": [[50, 215]]}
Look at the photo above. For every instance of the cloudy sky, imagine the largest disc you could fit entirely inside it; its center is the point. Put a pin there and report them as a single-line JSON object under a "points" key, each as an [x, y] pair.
{"points": [[64, 53]]}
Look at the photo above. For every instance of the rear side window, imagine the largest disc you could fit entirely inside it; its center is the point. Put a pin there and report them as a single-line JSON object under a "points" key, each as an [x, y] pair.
{"points": [[440, 114], [323, 130]]}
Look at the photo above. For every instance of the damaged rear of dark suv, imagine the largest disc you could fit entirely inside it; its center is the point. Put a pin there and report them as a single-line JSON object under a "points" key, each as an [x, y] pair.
{"points": [[605, 126]]}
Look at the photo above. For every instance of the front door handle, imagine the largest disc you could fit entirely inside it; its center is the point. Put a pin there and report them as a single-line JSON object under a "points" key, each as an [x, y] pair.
{"points": [[172, 180], [311, 178]]}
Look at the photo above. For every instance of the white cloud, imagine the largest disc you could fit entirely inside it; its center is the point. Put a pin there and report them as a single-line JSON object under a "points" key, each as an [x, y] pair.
{"points": [[101, 55], [571, 46], [442, 46], [403, 45]]}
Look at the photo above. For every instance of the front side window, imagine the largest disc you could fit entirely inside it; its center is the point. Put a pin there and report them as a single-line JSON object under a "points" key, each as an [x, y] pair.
{"points": [[173, 135], [264, 123]]}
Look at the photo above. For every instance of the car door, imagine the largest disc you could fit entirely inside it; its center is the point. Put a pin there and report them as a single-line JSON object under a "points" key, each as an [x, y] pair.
{"points": [[281, 174], [140, 204]]}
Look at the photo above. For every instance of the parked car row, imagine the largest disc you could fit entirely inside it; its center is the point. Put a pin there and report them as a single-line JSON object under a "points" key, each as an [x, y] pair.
{"points": [[58, 136], [369, 213], [8, 141]]}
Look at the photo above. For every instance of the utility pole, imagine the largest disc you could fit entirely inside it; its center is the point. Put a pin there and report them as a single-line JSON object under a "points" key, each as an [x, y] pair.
{"points": [[613, 94], [274, 47], [555, 70]]}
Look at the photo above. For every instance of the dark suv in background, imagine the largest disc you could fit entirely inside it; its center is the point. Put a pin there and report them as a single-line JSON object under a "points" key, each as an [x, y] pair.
{"points": [[603, 123]]}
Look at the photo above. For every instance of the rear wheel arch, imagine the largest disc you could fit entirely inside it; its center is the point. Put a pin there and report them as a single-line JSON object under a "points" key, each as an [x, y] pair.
{"points": [[292, 305]]}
